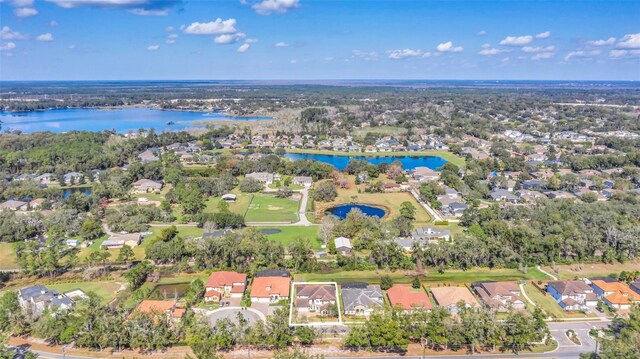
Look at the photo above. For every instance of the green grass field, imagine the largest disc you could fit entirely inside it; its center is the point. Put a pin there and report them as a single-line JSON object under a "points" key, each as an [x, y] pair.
{"points": [[549, 305], [105, 289], [266, 208], [449, 276], [239, 206], [289, 233], [8, 258]]}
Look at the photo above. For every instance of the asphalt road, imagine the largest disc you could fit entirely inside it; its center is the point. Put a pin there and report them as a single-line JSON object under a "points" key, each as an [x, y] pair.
{"points": [[566, 348]]}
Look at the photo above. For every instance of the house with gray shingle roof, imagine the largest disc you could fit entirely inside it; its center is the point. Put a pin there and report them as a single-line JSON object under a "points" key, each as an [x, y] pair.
{"points": [[361, 299], [38, 298]]}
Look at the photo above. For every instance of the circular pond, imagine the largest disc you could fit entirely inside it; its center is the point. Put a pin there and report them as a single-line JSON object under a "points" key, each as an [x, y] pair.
{"points": [[343, 210], [269, 231]]}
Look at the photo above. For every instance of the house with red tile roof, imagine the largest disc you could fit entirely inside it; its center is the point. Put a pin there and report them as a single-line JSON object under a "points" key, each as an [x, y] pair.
{"points": [[408, 298], [615, 294], [225, 284], [168, 307], [270, 289]]}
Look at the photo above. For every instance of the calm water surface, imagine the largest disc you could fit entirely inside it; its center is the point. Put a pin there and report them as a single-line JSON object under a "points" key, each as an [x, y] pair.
{"points": [[122, 120], [341, 162], [343, 210]]}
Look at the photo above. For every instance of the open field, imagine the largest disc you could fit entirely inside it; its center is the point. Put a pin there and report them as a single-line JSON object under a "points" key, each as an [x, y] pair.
{"points": [[266, 208], [289, 233], [104, 289], [390, 201], [239, 206], [571, 271], [549, 305], [8, 258], [432, 276], [450, 157]]}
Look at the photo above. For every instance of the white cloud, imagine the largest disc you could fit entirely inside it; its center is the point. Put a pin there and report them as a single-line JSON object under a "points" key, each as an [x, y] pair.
{"points": [[629, 41], [516, 40], [171, 39], [153, 47], [8, 46], [243, 48], [448, 47], [293, 61], [216, 27], [229, 38], [490, 51], [581, 54], [100, 3], [7, 34], [329, 58], [22, 3], [481, 33], [268, 7], [622, 53], [543, 35], [367, 55], [609, 41], [543, 56], [281, 44], [53, 23], [535, 49], [145, 12], [250, 41], [25, 12], [169, 29], [45, 37], [71, 47], [404, 53]]}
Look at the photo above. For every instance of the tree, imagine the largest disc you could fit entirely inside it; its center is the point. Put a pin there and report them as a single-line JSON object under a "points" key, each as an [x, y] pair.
{"points": [[386, 282], [137, 275], [195, 292], [325, 192], [306, 335], [415, 283], [408, 210], [250, 185], [126, 255]]}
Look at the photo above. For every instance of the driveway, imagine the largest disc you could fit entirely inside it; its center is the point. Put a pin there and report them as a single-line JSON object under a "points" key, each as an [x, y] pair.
{"points": [[251, 315]]}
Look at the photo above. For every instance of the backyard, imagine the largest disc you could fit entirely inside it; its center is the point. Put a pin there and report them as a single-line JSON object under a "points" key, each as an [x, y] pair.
{"points": [[106, 290], [287, 234], [549, 305], [267, 208], [8, 258]]}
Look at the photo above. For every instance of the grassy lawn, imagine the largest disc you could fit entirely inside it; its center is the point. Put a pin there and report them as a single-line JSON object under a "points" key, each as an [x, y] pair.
{"points": [[289, 233], [571, 271], [105, 289], [293, 187], [549, 305], [8, 258], [266, 208], [383, 130], [153, 196], [450, 157], [239, 206], [400, 276], [390, 201]]}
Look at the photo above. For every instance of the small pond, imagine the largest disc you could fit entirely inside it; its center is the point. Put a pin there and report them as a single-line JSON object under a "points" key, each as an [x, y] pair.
{"points": [[269, 231], [343, 210], [68, 191], [169, 291]]}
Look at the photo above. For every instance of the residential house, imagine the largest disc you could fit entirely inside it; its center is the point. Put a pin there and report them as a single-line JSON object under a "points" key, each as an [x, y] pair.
{"points": [[302, 181], [457, 208], [559, 195], [146, 185], [449, 297], [343, 245], [405, 297], [270, 289], [430, 234], [361, 299], [171, 309], [38, 298], [13, 205], [534, 184], [225, 284], [120, 240], [315, 298], [615, 294], [229, 197], [36, 203], [72, 178], [148, 156], [504, 195], [572, 294], [264, 177], [635, 286], [500, 296], [528, 195], [45, 178], [425, 174]]}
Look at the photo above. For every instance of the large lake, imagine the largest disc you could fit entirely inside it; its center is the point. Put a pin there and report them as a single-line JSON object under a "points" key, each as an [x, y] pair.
{"points": [[122, 119], [341, 162]]}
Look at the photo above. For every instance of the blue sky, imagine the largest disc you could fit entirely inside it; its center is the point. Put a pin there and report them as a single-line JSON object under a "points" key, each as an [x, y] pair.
{"points": [[305, 39]]}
